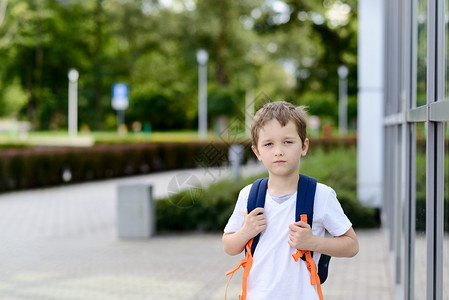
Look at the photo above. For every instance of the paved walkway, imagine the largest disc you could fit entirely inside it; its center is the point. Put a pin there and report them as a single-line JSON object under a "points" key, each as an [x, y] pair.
{"points": [[61, 243]]}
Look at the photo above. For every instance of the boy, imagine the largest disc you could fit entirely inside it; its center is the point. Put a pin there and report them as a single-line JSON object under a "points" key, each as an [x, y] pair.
{"points": [[279, 140]]}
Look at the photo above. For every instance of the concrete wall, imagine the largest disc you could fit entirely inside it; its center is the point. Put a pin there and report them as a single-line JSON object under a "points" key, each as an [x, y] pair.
{"points": [[370, 102]]}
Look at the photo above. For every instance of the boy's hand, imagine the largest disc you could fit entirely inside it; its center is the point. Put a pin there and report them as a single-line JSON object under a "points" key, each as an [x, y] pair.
{"points": [[301, 236], [255, 222]]}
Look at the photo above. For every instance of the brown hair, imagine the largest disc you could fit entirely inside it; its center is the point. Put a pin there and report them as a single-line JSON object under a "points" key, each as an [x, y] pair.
{"points": [[283, 112]]}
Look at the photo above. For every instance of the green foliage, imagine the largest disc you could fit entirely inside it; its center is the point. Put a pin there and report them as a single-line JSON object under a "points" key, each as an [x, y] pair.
{"points": [[153, 106], [222, 101], [12, 100], [211, 209], [152, 47], [337, 168], [324, 105]]}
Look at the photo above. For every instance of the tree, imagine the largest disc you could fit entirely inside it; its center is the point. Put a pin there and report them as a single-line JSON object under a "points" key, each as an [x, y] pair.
{"points": [[285, 49], [317, 37]]}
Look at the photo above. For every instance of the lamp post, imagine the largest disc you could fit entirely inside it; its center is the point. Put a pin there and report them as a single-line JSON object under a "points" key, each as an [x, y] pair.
{"points": [[342, 100], [73, 101], [202, 56], [3, 5]]}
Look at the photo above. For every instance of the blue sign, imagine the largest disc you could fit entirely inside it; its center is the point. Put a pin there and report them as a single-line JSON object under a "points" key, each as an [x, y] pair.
{"points": [[120, 94]]}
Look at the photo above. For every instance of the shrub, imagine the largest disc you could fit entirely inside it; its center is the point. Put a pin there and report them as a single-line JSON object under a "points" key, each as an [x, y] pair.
{"points": [[209, 210], [338, 169]]}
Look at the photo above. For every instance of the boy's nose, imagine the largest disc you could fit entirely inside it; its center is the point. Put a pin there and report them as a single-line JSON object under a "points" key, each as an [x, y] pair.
{"points": [[278, 152]]}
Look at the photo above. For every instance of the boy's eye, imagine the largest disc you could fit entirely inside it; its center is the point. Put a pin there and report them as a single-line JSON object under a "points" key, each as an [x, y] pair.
{"points": [[288, 142], [268, 144]]}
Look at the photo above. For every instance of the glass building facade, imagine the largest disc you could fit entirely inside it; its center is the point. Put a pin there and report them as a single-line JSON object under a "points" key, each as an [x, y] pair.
{"points": [[415, 200]]}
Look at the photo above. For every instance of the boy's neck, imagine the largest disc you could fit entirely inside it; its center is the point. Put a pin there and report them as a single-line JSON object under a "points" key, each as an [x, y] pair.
{"points": [[282, 185]]}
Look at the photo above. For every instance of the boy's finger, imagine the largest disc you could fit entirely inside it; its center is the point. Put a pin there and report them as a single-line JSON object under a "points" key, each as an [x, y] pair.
{"points": [[294, 227], [256, 211], [301, 224]]}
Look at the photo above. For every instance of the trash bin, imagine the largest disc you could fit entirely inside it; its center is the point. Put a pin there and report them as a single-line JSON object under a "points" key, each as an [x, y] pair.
{"points": [[135, 211]]}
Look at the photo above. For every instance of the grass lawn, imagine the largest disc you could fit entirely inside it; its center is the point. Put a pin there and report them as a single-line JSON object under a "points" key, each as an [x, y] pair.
{"points": [[61, 138]]}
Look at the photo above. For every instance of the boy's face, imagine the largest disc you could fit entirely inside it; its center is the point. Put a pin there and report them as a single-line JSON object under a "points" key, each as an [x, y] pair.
{"points": [[280, 148]]}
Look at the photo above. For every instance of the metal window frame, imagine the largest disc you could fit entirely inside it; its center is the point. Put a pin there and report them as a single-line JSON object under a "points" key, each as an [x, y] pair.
{"points": [[401, 117], [409, 136], [435, 150], [418, 114], [439, 111]]}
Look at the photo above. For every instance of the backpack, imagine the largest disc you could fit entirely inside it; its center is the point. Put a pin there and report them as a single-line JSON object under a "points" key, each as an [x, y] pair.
{"points": [[304, 211]]}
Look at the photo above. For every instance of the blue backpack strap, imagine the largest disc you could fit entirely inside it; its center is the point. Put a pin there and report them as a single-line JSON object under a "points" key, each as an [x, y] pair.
{"points": [[304, 205], [256, 198], [305, 199]]}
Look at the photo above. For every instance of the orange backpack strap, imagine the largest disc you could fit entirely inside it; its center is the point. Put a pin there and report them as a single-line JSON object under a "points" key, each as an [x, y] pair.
{"points": [[246, 263], [311, 266], [256, 198]]}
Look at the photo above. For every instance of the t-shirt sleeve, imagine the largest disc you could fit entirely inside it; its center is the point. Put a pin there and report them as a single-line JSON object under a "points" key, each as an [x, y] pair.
{"points": [[334, 220], [237, 218]]}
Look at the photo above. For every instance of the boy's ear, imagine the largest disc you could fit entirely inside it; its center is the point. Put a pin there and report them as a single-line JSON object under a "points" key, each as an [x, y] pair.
{"points": [[305, 147], [256, 152]]}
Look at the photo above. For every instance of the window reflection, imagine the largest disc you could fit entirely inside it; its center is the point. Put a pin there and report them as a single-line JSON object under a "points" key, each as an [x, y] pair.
{"points": [[446, 217], [422, 53], [420, 261], [446, 169], [447, 50]]}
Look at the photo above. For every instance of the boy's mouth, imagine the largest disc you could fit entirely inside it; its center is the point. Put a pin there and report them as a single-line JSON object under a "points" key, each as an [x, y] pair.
{"points": [[279, 161]]}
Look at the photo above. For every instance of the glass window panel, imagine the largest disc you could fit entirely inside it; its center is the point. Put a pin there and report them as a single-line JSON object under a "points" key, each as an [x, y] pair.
{"points": [[420, 261], [421, 53], [400, 212], [446, 94], [446, 217]]}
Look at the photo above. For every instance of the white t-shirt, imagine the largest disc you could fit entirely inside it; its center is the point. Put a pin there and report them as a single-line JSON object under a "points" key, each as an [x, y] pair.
{"points": [[275, 274]]}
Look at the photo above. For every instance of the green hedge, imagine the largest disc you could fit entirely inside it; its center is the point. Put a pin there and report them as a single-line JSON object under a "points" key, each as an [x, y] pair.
{"points": [[28, 167], [210, 209], [338, 169], [24, 168]]}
